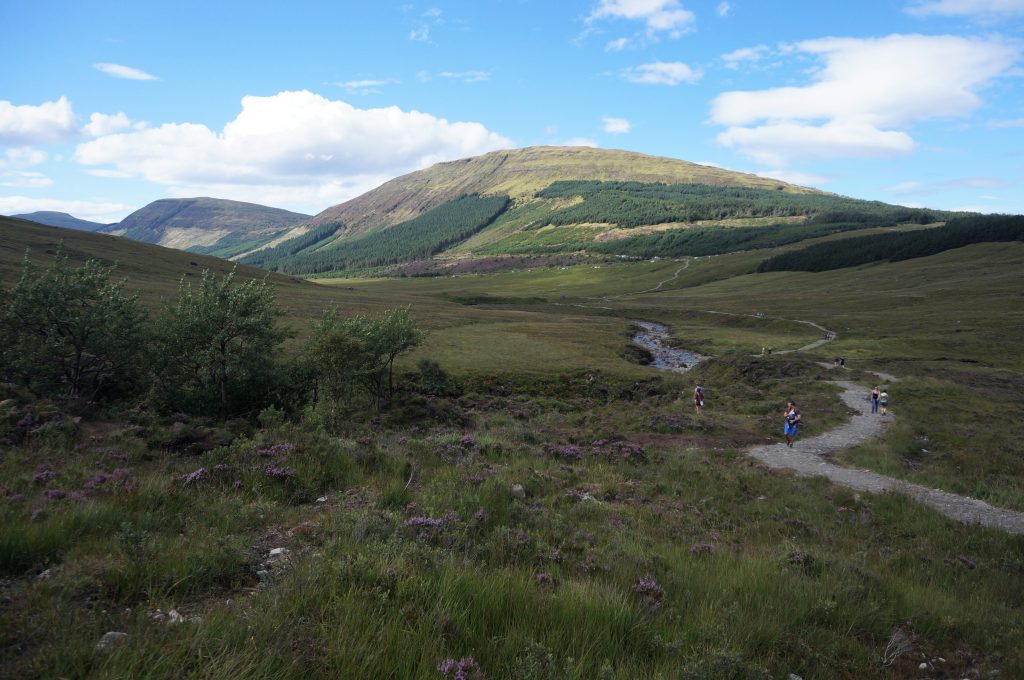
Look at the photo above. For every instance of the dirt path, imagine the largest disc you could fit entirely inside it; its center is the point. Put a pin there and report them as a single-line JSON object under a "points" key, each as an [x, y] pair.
{"points": [[805, 458]]}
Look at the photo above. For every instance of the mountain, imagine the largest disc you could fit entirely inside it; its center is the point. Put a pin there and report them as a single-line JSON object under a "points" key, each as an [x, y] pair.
{"points": [[60, 219], [566, 200], [208, 225], [519, 174]]}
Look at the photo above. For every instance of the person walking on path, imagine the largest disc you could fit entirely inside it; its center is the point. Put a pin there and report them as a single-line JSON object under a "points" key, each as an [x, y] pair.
{"points": [[883, 402], [874, 399], [698, 399], [791, 427]]}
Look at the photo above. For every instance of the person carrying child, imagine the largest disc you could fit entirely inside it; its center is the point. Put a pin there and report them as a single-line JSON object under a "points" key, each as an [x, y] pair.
{"points": [[791, 427]]}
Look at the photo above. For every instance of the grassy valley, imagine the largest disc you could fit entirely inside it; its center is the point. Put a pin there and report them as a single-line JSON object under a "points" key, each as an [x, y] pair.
{"points": [[544, 505]]}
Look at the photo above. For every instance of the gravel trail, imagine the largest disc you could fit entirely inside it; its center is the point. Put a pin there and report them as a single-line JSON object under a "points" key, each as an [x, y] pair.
{"points": [[805, 458]]}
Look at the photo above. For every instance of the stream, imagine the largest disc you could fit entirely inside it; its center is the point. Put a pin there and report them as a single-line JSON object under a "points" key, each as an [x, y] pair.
{"points": [[653, 339]]}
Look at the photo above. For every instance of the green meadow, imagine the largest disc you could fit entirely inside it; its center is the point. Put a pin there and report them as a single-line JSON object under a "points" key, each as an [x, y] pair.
{"points": [[557, 510]]}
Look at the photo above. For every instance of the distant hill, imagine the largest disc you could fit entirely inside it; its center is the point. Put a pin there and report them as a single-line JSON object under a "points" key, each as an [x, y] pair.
{"points": [[209, 225], [559, 200], [519, 174], [60, 219]]}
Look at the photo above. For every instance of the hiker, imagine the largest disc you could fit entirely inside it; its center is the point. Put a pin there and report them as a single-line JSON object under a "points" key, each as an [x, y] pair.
{"points": [[842, 362], [883, 402], [792, 425], [698, 399], [874, 399]]}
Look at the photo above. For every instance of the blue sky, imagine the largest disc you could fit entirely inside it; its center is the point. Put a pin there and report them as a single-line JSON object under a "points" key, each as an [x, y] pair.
{"points": [[106, 106]]}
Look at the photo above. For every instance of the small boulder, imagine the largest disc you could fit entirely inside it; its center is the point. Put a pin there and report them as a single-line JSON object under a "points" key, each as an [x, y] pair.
{"points": [[111, 639], [518, 491]]}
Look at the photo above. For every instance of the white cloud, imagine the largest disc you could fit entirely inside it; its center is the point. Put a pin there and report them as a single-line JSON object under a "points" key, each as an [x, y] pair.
{"points": [[296, 143], [616, 45], [778, 143], [723, 9], [22, 157], [125, 72], [18, 178], [658, 15], [27, 124], [102, 124], [94, 211], [421, 34], [958, 8], [662, 73], [806, 179], [904, 188], [867, 90], [581, 141], [615, 126], [466, 76], [751, 54]]}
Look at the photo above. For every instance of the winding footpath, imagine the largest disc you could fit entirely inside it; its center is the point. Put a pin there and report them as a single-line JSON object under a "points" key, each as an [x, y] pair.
{"points": [[806, 457]]}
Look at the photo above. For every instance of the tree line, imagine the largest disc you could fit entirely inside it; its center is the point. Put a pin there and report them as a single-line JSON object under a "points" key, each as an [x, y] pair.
{"points": [[632, 204], [896, 247], [74, 334], [419, 238]]}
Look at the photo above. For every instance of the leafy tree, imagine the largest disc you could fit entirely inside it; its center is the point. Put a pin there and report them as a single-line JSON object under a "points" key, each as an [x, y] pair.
{"points": [[71, 332], [216, 346]]}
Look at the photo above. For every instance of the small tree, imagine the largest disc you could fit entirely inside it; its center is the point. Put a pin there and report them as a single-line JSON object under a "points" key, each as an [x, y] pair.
{"points": [[71, 332], [387, 337], [216, 347]]}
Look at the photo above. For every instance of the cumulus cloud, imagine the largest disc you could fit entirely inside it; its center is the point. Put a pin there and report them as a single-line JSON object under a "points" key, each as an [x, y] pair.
{"points": [[662, 73], [723, 9], [745, 54], [93, 211], [615, 126], [616, 45], [103, 124], [863, 96], [316, 150], [124, 72], [960, 8], [27, 124], [659, 16]]}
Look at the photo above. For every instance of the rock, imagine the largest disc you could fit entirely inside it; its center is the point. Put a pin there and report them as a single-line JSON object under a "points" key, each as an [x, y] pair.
{"points": [[518, 491], [263, 574], [922, 666], [322, 499], [279, 552], [44, 575], [111, 639], [174, 618]]}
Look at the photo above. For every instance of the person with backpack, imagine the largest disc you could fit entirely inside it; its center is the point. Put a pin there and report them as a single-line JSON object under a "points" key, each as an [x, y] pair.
{"points": [[883, 402], [791, 427], [698, 399], [874, 399]]}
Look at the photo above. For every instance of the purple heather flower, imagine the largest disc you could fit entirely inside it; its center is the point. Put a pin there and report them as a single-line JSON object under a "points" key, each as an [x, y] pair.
{"points": [[520, 535], [423, 522], [479, 516], [55, 494], [450, 517], [120, 474], [392, 572], [701, 549], [97, 480], [194, 476], [476, 479], [465, 668], [279, 472], [543, 579], [44, 476], [567, 451], [275, 450]]}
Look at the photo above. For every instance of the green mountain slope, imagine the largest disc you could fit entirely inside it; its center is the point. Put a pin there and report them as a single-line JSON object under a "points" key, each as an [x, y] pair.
{"points": [[588, 202], [61, 219], [213, 225], [519, 174]]}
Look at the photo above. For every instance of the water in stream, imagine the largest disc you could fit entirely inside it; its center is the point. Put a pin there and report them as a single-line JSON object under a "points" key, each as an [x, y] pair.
{"points": [[653, 339]]}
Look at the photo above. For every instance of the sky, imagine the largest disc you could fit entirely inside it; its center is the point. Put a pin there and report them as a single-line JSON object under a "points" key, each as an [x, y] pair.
{"points": [[107, 106]]}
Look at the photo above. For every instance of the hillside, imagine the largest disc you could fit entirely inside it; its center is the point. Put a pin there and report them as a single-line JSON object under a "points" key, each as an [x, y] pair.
{"points": [[567, 201], [208, 225], [519, 174], [61, 219]]}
